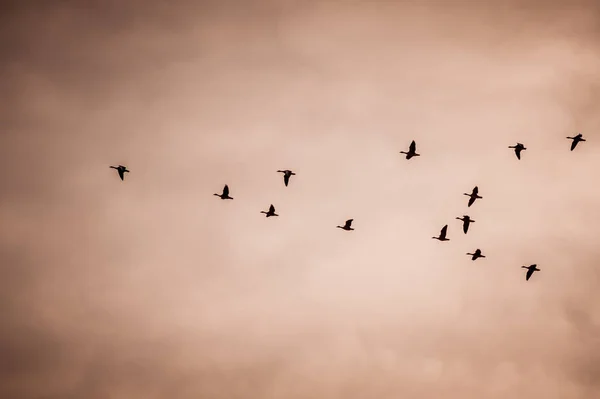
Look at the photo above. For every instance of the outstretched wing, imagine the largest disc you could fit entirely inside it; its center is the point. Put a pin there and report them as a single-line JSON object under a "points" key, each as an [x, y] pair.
{"points": [[348, 223], [286, 178], [225, 191], [443, 231], [271, 209], [413, 147]]}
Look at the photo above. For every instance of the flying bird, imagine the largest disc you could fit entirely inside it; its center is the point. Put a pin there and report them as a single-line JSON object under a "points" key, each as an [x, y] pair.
{"points": [[271, 211], [286, 175], [122, 170], [530, 270], [466, 221], [225, 194], [412, 151], [442, 236], [347, 225], [576, 140], [518, 148], [474, 195], [476, 254]]}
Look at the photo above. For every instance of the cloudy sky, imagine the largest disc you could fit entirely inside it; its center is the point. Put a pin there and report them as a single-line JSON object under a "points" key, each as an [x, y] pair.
{"points": [[154, 288]]}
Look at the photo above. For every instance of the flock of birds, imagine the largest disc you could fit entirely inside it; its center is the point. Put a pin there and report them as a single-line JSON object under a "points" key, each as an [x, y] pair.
{"points": [[412, 152]]}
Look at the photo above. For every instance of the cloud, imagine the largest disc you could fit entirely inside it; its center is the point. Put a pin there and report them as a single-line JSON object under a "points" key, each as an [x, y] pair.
{"points": [[153, 287]]}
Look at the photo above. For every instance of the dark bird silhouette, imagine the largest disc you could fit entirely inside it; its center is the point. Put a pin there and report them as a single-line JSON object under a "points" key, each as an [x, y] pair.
{"points": [[286, 175], [412, 151], [518, 148], [271, 211], [474, 195], [576, 140], [476, 254], [122, 170], [530, 270], [466, 221], [225, 194], [347, 225], [442, 236]]}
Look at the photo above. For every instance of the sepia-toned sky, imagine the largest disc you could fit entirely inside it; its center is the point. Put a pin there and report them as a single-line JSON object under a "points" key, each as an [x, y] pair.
{"points": [[154, 288]]}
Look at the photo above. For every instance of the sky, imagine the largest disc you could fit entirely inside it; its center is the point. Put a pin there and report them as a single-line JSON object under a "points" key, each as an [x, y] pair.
{"points": [[154, 288]]}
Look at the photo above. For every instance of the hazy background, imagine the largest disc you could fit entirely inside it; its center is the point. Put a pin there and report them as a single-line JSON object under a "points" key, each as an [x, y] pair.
{"points": [[154, 288]]}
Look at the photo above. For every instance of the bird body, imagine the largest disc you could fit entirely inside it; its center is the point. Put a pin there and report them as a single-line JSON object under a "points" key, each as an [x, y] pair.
{"points": [[576, 139], [122, 170], [466, 222], [518, 148], [476, 254], [271, 211], [286, 175], [225, 194], [412, 151], [473, 196], [530, 270], [347, 225], [442, 236]]}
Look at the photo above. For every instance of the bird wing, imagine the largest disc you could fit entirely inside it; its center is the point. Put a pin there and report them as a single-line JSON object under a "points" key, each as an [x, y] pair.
{"points": [[286, 179], [348, 222], [413, 147], [443, 231], [226, 191], [272, 209], [529, 273]]}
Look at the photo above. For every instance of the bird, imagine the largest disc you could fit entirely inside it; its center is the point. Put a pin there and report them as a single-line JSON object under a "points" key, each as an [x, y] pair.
{"points": [[347, 225], [122, 170], [476, 254], [530, 270], [442, 236], [286, 175], [411, 151], [466, 221], [271, 211], [474, 195], [518, 148], [576, 140], [225, 194]]}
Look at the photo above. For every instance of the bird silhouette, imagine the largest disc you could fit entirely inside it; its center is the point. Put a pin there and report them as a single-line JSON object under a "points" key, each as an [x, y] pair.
{"points": [[576, 140], [466, 221], [122, 170], [225, 194], [530, 270], [347, 225], [271, 211], [286, 175], [476, 254], [474, 195], [518, 148], [411, 151], [442, 236]]}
